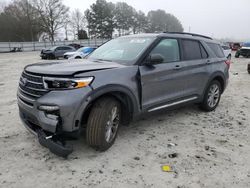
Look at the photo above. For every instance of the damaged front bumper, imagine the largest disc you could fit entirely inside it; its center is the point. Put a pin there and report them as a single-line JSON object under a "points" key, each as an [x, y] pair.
{"points": [[55, 143]]}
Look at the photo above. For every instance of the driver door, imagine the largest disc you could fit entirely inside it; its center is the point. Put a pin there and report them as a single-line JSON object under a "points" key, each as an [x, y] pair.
{"points": [[164, 82]]}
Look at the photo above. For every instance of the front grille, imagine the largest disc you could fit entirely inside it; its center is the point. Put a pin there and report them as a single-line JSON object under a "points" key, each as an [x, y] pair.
{"points": [[31, 85]]}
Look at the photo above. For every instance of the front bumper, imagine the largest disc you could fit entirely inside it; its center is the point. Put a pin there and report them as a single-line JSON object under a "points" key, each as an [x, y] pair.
{"points": [[65, 120], [52, 130]]}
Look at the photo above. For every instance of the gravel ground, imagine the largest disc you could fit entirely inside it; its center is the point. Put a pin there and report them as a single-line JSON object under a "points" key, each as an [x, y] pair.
{"points": [[212, 148]]}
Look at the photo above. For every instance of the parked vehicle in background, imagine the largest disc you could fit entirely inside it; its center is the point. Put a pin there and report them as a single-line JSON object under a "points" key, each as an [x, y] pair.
{"points": [[121, 80], [76, 46], [56, 52], [248, 68], [235, 46], [244, 50], [80, 53], [227, 51]]}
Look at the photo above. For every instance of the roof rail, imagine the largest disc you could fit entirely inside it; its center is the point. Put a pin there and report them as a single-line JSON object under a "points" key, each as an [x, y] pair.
{"points": [[193, 34]]}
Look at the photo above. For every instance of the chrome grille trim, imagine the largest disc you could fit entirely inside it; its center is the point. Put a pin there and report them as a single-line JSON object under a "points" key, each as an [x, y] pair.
{"points": [[31, 86], [27, 92]]}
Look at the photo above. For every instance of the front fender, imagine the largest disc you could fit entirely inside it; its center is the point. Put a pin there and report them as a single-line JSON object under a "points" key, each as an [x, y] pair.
{"points": [[96, 93]]}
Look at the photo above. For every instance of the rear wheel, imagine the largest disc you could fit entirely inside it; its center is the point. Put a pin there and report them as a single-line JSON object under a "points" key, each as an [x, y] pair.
{"points": [[103, 123], [78, 57], [212, 96]]}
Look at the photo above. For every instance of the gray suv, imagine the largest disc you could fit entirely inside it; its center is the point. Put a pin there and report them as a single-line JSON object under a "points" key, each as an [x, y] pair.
{"points": [[121, 80]]}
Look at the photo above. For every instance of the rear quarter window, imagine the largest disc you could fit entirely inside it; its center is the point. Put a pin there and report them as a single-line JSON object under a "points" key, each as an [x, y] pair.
{"points": [[216, 48]]}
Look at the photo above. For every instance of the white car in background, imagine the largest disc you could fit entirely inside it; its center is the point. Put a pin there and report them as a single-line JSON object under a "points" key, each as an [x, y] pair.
{"points": [[227, 51], [80, 53]]}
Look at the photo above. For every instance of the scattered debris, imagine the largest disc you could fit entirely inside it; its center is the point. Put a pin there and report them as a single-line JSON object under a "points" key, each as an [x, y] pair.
{"points": [[171, 145], [173, 155], [207, 148], [166, 168], [137, 158]]}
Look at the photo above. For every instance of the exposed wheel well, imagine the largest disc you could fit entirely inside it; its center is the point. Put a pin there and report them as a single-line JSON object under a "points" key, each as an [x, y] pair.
{"points": [[126, 105], [221, 80]]}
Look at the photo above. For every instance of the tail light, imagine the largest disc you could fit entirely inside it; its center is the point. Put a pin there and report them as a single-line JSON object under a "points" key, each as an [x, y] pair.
{"points": [[228, 62]]}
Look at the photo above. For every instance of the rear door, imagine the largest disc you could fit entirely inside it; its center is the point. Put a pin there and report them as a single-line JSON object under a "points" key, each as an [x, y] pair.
{"points": [[164, 82], [195, 67], [59, 51]]}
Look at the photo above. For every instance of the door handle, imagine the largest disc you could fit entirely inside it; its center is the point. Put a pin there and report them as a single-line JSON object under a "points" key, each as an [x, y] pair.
{"points": [[177, 67]]}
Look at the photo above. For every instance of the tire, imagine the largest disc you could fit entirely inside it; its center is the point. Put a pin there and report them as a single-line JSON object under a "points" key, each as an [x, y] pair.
{"points": [[78, 57], [103, 123], [237, 55], [248, 68], [51, 56], [65, 57], [212, 96]]}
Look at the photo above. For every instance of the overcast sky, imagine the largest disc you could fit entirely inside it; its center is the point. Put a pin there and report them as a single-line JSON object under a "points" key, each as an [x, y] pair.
{"points": [[216, 18]]}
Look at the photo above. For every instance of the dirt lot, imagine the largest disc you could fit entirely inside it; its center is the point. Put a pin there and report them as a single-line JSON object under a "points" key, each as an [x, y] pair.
{"points": [[213, 148]]}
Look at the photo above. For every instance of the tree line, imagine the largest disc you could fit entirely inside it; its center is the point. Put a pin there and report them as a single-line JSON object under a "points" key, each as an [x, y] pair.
{"points": [[31, 20]]}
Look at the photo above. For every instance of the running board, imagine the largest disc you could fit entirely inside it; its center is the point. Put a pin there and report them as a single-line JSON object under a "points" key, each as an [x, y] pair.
{"points": [[173, 104]]}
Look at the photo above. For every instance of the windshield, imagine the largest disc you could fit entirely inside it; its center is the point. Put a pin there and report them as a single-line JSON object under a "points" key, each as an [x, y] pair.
{"points": [[122, 50], [246, 44], [85, 50], [53, 48]]}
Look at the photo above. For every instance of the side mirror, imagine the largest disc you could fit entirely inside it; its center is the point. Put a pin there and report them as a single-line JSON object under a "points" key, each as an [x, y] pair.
{"points": [[154, 59]]}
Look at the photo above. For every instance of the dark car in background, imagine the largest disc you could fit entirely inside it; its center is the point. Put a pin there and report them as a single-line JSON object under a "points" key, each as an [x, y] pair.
{"points": [[76, 46], [235, 46], [244, 50], [56, 52]]}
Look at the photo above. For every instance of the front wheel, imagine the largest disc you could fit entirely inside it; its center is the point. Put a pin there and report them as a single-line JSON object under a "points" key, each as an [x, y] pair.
{"points": [[103, 123], [212, 96]]}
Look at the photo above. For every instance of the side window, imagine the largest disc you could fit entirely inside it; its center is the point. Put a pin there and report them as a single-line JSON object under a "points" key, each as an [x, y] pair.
{"points": [[204, 54], [168, 49], [192, 50], [216, 48], [59, 48]]}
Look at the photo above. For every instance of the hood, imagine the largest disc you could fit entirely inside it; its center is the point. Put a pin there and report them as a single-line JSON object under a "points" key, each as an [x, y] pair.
{"points": [[70, 68]]}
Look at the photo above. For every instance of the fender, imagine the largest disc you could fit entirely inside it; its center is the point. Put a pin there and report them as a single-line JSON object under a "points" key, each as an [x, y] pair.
{"points": [[107, 89], [212, 77]]}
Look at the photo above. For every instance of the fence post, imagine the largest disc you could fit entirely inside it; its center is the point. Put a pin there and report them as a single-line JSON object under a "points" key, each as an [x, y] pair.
{"points": [[9, 46], [34, 47]]}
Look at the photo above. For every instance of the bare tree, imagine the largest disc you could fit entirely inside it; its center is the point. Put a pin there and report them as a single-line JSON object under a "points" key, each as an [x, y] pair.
{"points": [[77, 21], [52, 14], [2, 5]]}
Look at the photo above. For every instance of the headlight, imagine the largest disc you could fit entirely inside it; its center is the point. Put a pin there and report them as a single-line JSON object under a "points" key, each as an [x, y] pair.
{"points": [[64, 83]]}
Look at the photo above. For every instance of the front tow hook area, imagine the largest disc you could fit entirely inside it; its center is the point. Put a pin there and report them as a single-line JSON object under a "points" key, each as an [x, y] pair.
{"points": [[54, 144]]}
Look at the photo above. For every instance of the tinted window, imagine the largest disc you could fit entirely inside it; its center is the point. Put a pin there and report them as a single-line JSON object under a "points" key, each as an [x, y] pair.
{"points": [[59, 48], [216, 48], [204, 54], [67, 48], [192, 50], [168, 49], [225, 47]]}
